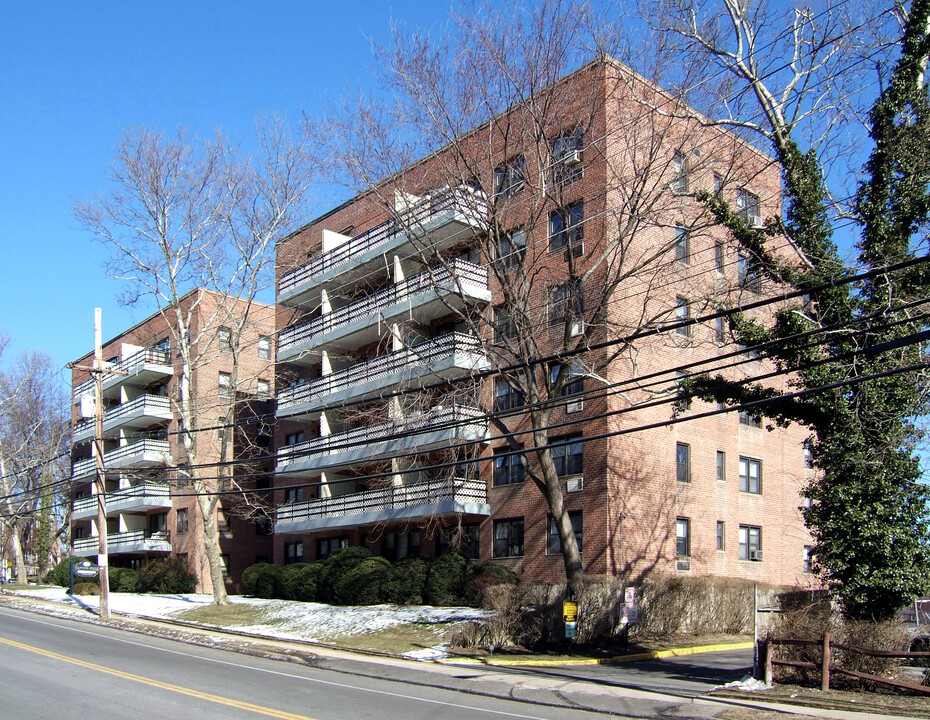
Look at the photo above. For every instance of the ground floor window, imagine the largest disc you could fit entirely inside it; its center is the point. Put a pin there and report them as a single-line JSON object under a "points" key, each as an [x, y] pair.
{"points": [[327, 546], [750, 542], [508, 538], [293, 552], [401, 545], [554, 542]]}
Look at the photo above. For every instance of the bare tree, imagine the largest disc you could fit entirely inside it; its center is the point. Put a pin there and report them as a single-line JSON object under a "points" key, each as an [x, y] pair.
{"points": [[33, 465], [582, 190], [184, 215]]}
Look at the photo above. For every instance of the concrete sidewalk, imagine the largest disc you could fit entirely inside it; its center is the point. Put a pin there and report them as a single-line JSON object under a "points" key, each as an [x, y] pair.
{"points": [[532, 684]]}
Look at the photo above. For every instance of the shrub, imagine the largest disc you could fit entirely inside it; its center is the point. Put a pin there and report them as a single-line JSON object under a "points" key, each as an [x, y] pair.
{"points": [[335, 566], [169, 575], [86, 588], [447, 581], [299, 581], [123, 579], [262, 580], [406, 582], [487, 576], [58, 575], [362, 584], [670, 605], [888, 636]]}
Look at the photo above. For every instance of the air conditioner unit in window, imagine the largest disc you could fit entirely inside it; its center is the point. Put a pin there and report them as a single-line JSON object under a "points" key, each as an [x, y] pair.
{"points": [[574, 406], [684, 564], [755, 555], [574, 484], [756, 221], [577, 328], [572, 158]]}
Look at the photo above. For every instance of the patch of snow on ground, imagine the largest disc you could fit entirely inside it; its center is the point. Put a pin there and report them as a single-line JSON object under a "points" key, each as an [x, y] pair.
{"points": [[748, 682], [437, 652], [282, 618]]}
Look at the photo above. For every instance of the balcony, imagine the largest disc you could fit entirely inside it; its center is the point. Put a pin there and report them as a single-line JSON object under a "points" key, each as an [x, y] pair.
{"points": [[133, 541], [436, 222], [446, 356], [420, 501], [141, 412], [138, 498], [440, 427], [138, 370], [428, 295], [145, 453]]}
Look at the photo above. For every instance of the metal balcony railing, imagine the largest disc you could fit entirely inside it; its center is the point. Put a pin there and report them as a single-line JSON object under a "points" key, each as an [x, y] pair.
{"points": [[130, 365], [127, 496], [412, 222], [435, 419], [468, 274], [424, 355], [115, 458], [387, 498], [142, 540], [153, 405]]}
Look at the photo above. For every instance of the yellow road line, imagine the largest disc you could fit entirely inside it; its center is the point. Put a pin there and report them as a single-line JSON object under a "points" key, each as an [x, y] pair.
{"points": [[218, 699], [567, 662]]}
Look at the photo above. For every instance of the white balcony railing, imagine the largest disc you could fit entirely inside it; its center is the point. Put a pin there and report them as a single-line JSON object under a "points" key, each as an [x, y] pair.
{"points": [[423, 495], [462, 203], [125, 542], [458, 274], [415, 361], [371, 441], [142, 453], [128, 367], [138, 497], [156, 407]]}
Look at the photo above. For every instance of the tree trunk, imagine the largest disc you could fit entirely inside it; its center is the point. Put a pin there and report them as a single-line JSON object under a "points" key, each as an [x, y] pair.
{"points": [[19, 559], [211, 547]]}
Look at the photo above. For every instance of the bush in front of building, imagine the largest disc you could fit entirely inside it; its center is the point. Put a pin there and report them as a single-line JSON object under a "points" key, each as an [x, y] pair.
{"points": [[168, 575], [262, 580], [486, 576], [334, 567], [448, 580], [122, 579], [363, 583], [299, 581], [59, 574], [406, 583]]}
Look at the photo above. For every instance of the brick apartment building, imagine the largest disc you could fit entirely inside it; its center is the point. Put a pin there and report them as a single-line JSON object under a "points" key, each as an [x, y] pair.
{"points": [[150, 510], [561, 241]]}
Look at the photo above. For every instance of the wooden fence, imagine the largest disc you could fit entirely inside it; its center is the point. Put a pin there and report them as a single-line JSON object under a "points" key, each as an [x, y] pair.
{"points": [[825, 666]]}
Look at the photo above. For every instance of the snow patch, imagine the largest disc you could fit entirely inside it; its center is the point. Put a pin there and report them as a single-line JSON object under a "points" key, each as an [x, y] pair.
{"points": [[748, 682]]}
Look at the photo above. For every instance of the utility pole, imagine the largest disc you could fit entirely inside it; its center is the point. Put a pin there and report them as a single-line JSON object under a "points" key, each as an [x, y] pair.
{"points": [[97, 370]]}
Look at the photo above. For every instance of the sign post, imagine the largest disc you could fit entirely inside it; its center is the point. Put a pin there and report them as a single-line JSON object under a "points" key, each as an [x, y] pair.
{"points": [[570, 617]]}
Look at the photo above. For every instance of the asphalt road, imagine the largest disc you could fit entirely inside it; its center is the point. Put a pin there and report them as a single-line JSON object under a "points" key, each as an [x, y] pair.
{"points": [[60, 669]]}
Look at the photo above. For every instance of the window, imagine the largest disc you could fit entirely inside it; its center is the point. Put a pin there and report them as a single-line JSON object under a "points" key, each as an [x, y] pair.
{"points": [[507, 397], [224, 521], [464, 538], [683, 462], [720, 329], [573, 376], [294, 438], [164, 345], [293, 552], [224, 337], [512, 248], [566, 229], [401, 545], [750, 475], [224, 562], [750, 542], [263, 389], [79, 533], [509, 177], [262, 525], [293, 494], [158, 523], [568, 455], [264, 348], [808, 560], [680, 164], [225, 383], [554, 542], [717, 185], [566, 302], [748, 273], [503, 324], [682, 315], [683, 538], [682, 246], [718, 258], [508, 470], [721, 466], [567, 156], [508, 538], [327, 546], [808, 456], [747, 207], [721, 535], [747, 418], [181, 521]]}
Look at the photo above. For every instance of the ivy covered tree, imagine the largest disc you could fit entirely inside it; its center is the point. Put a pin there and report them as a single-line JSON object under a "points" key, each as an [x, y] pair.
{"points": [[857, 345]]}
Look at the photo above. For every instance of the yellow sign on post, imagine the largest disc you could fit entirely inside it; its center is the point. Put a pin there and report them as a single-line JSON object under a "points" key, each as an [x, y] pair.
{"points": [[569, 611]]}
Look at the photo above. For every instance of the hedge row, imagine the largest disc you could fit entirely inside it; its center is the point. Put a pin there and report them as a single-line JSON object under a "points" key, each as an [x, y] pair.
{"points": [[353, 576], [169, 575]]}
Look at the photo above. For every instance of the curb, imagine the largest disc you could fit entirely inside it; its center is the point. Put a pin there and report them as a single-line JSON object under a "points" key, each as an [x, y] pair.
{"points": [[651, 655]]}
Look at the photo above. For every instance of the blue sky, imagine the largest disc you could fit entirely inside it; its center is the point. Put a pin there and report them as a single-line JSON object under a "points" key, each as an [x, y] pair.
{"points": [[73, 76]]}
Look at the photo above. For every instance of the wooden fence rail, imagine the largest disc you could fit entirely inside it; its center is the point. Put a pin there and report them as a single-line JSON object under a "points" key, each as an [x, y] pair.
{"points": [[826, 666]]}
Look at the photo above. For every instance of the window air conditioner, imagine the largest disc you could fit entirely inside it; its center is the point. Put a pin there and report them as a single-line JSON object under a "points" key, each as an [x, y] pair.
{"points": [[755, 555], [577, 328], [574, 484], [756, 221], [572, 158]]}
